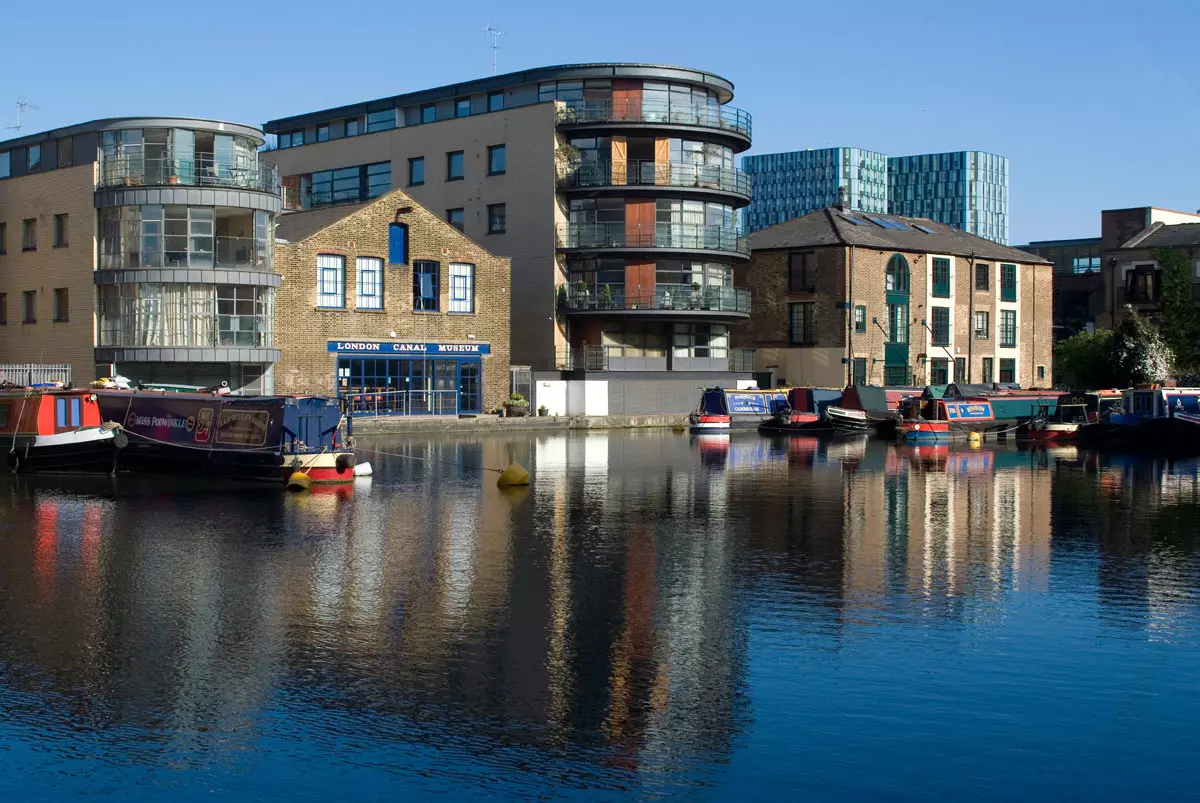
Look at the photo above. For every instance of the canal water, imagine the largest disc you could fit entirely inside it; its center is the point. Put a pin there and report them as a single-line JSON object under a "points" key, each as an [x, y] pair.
{"points": [[656, 617]]}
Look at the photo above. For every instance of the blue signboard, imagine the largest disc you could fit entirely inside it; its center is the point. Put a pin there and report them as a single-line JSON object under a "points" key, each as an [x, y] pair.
{"points": [[434, 349], [755, 402], [974, 410]]}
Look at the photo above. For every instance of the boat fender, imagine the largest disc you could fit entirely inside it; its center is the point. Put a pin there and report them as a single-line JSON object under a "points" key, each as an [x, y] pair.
{"points": [[344, 462], [299, 481], [14, 462], [120, 440]]}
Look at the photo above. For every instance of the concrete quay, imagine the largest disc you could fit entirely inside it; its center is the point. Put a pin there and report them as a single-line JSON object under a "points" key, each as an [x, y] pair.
{"points": [[387, 425]]}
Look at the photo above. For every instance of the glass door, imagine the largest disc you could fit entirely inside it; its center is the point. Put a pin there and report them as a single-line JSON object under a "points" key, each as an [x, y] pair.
{"points": [[468, 386], [183, 152]]}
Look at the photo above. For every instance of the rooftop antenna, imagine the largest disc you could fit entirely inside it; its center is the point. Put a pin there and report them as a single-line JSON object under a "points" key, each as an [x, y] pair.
{"points": [[495, 34], [22, 105]]}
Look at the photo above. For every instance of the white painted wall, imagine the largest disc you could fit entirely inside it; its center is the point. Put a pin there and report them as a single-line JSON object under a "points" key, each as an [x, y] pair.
{"points": [[552, 394], [1171, 217], [595, 396]]}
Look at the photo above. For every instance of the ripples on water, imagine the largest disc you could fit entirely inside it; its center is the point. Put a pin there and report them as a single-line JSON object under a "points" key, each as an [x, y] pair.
{"points": [[656, 616]]}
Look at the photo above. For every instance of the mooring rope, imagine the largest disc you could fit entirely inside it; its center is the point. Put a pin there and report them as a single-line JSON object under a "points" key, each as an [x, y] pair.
{"points": [[430, 460]]}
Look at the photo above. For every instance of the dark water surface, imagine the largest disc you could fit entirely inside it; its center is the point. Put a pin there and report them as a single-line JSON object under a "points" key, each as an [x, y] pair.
{"points": [[655, 617]]}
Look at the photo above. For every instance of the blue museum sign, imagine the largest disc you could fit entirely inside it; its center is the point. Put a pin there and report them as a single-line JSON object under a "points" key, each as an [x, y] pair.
{"points": [[435, 349]]}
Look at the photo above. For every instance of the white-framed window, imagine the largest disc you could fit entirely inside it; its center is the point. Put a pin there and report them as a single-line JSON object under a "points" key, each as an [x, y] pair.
{"points": [[462, 287], [369, 271], [331, 281]]}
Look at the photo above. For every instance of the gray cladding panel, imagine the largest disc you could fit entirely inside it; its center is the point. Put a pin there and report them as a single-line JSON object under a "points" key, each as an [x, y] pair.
{"points": [[187, 196]]}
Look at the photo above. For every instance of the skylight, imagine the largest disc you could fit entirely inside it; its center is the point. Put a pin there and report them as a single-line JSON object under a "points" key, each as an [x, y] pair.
{"points": [[880, 222], [853, 220], [925, 229]]}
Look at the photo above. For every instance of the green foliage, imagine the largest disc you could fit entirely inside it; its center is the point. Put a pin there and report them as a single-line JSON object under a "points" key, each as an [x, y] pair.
{"points": [[1084, 360], [1180, 318], [1139, 352]]}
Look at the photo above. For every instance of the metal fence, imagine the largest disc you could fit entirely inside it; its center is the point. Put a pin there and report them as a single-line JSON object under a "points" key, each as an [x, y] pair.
{"points": [[402, 402], [32, 373], [641, 110], [597, 358], [188, 169], [662, 297], [639, 172], [687, 236]]}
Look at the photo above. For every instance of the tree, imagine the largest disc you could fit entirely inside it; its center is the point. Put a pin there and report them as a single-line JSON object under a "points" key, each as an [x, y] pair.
{"points": [[1180, 325], [1084, 360], [1139, 353]]}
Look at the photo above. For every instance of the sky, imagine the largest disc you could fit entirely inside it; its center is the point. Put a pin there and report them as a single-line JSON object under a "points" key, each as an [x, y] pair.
{"points": [[1096, 104]]}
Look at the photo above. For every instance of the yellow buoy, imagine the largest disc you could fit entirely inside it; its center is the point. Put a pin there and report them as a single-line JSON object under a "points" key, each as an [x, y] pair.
{"points": [[515, 474], [299, 481], [975, 438]]}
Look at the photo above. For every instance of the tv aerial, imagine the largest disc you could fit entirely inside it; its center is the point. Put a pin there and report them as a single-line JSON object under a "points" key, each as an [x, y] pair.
{"points": [[495, 34], [22, 105]]}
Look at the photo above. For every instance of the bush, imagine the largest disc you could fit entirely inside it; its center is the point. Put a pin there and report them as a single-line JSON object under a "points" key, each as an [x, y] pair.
{"points": [[1084, 360]]}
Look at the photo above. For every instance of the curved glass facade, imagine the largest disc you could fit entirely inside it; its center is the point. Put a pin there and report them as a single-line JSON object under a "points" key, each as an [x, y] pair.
{"points": [[147, 315], [157, 236], [183, 156]]}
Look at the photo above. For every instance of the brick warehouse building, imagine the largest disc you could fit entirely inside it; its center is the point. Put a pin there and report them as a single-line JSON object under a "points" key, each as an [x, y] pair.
{"points": [[391, 307], [878, 299]]}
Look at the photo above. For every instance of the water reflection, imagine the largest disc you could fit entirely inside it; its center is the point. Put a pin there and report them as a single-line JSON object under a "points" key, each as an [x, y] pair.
{"points": [[633, 621]]}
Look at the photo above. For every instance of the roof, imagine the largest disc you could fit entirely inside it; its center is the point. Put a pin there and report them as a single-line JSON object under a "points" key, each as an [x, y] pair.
{"points": [[832, 226], [1161, 235], [110, 123], [296, 226]]}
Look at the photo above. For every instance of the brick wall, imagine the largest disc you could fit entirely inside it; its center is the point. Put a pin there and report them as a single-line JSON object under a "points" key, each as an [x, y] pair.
{"points": [[303, 330], [41, 196]]}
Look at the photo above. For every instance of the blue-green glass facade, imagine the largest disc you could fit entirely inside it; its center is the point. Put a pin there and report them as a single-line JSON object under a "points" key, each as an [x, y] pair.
{"points": [[964, 189], [788, 185]]}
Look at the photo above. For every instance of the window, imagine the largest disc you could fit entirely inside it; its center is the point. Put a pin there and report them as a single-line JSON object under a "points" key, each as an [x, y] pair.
{"points": [[1008, 282], [369, 272], [496, 160], [982, 280], [1041, 372], [896, 279], [29, 297], [941, 326], [860, 319], [29, 234], [3, 309], [941, 277], [960, 369], [331, 281], [379, 179], [495, 101], [398, 244], [939, 371], [62, 306], [860, 370], [381, 120], [462, 287], [34, 161], [454, 166], [496, 218], [3, 238], [897, 324], [696, 341], [801, 325], [800, 273], [336, 186], [60, 231], [352, 127], [291, 139], [429, 113], [416, 171], [1008, 328], [323, 133], [1085, 264], [462, 107], [981, 325], [425, 286], [1008, 371], [5, 165], [987, 371], [456, 218], [66, 151]]}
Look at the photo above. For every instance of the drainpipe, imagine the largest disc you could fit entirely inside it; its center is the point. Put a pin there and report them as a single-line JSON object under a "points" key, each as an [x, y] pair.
{"points": [[850, 322], [971, 315]]}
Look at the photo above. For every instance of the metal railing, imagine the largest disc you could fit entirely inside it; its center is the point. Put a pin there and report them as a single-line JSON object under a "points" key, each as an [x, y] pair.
{"points": [[645, 173], [741, 360], [581, 358], [191, 169], [663, 297], [159, 330], [32, 373], [1141, 295], [400, 402], [640, 110], [205, 252], [689, 236]]}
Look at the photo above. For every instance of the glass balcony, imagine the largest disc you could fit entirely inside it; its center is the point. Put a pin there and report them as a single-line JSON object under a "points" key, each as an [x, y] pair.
{"points": [[128, 169], [722, 118], [186, 316], [655, 174], [686, 236], [671, 297], [601, 358]]}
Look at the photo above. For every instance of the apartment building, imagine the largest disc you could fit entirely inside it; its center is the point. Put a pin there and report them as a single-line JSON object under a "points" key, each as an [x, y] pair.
{"points": [[611, 187], [843, 296], [141, 246]]}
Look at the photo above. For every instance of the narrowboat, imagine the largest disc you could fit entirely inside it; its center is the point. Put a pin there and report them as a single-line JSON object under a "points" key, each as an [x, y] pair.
{"points": [[725, 410], [955, 411], [804, 412], [1155, 418], [49, 429], [1074, 411], [869, 408]]}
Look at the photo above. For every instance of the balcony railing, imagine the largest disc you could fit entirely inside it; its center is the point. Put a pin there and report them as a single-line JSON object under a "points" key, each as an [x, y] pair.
{"points": [[725, 118], [599, 358], [1141, 295], [639, 173], [676, 297], [191, 170], [225, 252], [663, 235]]}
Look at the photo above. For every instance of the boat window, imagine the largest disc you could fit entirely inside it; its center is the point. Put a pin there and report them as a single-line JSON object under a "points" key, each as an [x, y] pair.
{"points": [[60, 412], [76, 407]]}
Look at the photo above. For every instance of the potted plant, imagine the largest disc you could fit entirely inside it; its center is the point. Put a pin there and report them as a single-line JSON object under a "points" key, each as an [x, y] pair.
{"points": [[543, 410], [516, 406], [608, 298], [581, 295], [695, 295], [562, 296]]}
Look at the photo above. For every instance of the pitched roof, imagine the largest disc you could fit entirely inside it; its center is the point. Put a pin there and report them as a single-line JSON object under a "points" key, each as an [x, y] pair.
{"points": [[294, 226], [1166, 236], [831, 226]]}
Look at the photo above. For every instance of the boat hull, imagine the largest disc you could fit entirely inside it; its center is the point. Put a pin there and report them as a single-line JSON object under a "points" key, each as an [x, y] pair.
{"points": [[325, 469], [83, 451]]}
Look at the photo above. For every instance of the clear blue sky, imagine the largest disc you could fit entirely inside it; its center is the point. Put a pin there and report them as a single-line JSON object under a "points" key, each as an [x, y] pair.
{"points": [[1096, 103]]}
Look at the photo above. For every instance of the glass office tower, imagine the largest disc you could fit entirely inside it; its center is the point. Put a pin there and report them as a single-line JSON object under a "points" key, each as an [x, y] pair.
{"points": [[788, 185], [964, 189]]}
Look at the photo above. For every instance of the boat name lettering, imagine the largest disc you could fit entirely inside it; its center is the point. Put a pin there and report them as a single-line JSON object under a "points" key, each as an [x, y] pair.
{"points": [[160, 422]]}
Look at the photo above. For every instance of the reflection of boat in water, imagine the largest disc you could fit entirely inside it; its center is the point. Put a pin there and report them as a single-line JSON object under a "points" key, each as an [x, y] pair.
{"points": [[54, 430], [721, 409]]}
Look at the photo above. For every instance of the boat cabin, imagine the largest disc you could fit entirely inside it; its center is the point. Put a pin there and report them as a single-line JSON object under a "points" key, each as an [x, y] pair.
{"points": [[1143, 404], [27, 413]]}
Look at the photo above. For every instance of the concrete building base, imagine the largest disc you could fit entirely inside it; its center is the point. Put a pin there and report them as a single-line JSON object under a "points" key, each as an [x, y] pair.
{"points": [[391, 425]]}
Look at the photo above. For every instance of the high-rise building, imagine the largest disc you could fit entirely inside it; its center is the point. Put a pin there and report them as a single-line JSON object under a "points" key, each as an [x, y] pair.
{"points": [[964, 189], [789, 185], [612, 188]]}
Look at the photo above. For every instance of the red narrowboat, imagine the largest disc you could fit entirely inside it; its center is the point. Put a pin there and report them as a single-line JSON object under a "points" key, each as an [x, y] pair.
{"points": [[54, 430]]}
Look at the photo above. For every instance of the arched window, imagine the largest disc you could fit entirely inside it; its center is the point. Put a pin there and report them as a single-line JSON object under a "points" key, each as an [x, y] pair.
{"points": [[897, 275]]}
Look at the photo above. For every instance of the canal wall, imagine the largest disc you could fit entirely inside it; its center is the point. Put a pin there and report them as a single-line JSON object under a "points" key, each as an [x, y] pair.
{"points": [[387, 425]]}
